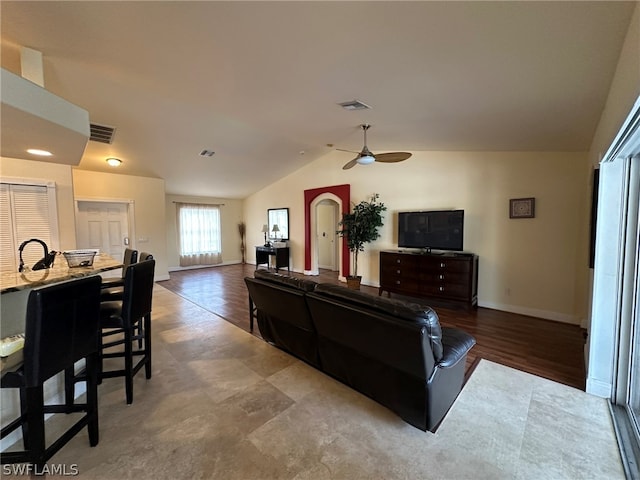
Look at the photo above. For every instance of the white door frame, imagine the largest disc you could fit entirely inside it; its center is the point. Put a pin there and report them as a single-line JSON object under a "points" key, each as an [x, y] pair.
{"points": [[313, 227], [130, 214]]}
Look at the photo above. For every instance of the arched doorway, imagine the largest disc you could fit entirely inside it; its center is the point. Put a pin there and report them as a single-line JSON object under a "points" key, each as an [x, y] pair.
{"points": [[327, 219], [340, 194]]}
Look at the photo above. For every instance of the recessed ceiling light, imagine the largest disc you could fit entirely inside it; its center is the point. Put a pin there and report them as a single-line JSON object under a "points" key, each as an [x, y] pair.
{"points": [[114, 162], [41, 153]]}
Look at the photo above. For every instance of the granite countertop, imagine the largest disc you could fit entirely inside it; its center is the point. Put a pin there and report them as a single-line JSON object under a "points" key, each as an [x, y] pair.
{"points": [[14, 281]]}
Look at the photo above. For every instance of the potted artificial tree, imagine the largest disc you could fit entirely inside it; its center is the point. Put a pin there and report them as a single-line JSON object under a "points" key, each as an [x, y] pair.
{"points": [[360, 227]]}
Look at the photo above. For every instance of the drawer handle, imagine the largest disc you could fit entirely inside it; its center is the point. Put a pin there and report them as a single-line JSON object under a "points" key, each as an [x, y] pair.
{"points": [[398, 272], [397, 260], [441, 277], [397, 282], [441, 289], [442, 265]]}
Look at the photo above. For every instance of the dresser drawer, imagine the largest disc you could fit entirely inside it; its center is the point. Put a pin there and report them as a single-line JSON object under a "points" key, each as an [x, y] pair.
{"points": [[405, 262], [401, 284], [434, 264], [453, 291], [441, 277], [401, 271]]}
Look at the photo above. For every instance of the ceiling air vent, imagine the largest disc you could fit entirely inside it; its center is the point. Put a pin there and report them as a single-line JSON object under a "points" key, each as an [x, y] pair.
{"points": [[207, 153], [101, 133], [354, 105]]}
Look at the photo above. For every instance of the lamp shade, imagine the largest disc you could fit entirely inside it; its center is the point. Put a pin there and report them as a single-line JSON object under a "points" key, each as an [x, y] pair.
{"points": [[275, 228], [265, 228]]}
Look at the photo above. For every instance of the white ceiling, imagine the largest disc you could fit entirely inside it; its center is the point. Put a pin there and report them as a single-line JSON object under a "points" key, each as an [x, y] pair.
{"points": [[259, 82]]}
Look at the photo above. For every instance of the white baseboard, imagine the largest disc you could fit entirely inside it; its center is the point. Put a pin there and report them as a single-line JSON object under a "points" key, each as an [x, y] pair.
{"points": [[598, 388], [531, 312], [195, 267]]}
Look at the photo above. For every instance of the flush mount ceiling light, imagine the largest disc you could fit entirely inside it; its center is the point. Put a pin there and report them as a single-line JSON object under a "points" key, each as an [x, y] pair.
{"points": [[114, 162], [40, 153]]}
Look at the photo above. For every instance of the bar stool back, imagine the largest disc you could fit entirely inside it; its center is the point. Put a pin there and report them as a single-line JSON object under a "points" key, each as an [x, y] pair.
{"points": [[62, 327], [112, 288]]}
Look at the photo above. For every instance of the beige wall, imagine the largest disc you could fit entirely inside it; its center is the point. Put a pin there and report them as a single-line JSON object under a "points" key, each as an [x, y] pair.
{"points": [[601, 350], [62, 176], [148, 199], [230, 217], [531, 266], [625, 89]]}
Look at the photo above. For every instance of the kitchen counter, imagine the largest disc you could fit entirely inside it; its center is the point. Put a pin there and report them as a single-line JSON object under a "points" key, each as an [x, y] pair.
{"points": [[16, 281]]}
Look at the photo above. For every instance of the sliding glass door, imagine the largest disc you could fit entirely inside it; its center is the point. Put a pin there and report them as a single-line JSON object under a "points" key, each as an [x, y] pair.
{"points": [[633, 395]]}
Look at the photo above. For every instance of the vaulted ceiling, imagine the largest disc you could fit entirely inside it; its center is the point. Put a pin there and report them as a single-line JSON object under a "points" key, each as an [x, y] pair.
{"points": [[259, 82]]}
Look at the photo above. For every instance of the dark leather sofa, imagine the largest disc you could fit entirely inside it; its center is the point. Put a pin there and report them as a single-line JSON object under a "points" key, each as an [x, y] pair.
{"points": [[282, 313], [393, 351]]}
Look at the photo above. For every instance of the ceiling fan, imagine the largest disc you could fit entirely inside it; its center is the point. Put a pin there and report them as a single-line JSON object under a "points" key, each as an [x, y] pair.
{"points": [[365, 157]]}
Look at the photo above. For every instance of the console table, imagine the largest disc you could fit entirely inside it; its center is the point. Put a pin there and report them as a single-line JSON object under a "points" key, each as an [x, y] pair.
{"points": [[449, 276], [281, 254]]}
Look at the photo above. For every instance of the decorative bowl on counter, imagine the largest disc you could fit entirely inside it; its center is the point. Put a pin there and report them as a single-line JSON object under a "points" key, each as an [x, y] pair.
{"points": [[79, 258]]}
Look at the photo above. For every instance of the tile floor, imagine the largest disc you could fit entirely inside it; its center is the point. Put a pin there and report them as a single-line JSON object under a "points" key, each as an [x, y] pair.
{"points": [[224, 404]]}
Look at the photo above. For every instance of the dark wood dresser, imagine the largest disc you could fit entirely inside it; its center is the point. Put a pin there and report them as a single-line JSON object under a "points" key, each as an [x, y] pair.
{"points": [[450, 276]]}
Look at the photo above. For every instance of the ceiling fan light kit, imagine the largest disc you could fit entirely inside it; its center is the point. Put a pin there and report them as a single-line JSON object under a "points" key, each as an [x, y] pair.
{"points": [[365, 157]]}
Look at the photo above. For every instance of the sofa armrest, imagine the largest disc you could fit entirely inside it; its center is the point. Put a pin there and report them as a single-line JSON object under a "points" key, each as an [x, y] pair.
{"points": [[455, 345]]}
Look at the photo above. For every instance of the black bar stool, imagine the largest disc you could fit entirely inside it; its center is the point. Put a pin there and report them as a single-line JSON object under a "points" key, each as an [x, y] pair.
{"points": [[62, 327], [130, 318]]}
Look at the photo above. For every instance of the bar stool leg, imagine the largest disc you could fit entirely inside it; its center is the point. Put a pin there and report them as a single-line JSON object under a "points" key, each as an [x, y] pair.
{"points": [[147, 345], [35, 419], [92, 399], [69, 386], [128, 365]]}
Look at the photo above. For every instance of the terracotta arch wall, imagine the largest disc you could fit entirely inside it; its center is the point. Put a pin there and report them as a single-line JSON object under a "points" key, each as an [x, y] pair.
{"points": [[343, 192]]}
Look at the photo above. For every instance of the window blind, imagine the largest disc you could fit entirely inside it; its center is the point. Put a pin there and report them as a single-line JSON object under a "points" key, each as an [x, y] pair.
{"points": [[26, 212]]}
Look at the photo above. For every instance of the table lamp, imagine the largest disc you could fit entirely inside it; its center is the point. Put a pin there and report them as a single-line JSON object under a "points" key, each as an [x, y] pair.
{"points": [[265, 230], [275, 231]]}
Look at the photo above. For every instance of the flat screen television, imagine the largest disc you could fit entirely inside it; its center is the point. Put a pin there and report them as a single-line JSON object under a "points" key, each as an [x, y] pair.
{"points": [[431, 230]]}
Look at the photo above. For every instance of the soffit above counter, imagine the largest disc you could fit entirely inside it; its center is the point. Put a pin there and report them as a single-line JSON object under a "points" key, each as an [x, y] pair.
{"points": [[32, 117]]}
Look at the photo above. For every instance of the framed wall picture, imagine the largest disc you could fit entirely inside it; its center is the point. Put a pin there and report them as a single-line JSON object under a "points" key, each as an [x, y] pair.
{"points": [[522, 207]]}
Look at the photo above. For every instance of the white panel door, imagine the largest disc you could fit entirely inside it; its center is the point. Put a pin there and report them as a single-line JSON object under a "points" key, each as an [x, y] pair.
{"points": [[103, 225], [327, 224]]}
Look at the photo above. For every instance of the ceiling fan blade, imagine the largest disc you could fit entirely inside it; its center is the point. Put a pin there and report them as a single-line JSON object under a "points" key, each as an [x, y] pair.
{"points": [[351, 164], [343, 150], [392, 157]]}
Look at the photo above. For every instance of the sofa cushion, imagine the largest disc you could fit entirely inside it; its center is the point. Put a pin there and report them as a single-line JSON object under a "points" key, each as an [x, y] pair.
{"points": [[295, 282], [397, 308]]}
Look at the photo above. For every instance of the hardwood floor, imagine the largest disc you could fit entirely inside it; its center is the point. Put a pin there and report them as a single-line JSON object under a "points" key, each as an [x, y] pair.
{"points": [[546, 348]]}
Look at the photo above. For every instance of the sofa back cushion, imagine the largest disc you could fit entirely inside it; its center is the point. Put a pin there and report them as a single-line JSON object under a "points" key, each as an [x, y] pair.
{"points": [[283, 317], [294, 282], [410, 312]]}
